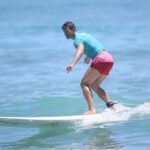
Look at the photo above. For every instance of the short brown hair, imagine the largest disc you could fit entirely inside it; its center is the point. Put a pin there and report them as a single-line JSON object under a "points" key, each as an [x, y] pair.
{"points": [[70, 25]]}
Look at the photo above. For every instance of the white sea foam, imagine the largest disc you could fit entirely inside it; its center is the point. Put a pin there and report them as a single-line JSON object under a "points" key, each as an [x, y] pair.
{"points": [[122, 113], [143, 109]]}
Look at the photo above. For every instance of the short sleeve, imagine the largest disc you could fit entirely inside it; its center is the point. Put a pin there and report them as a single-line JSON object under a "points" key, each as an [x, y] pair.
{"points": [[77, 42]]}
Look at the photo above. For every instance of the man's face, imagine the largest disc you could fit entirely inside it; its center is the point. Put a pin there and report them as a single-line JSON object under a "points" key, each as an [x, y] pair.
{"points": [[68, 33]]}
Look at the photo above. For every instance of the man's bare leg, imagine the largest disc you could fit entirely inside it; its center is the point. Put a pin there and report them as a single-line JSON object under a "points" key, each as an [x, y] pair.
{"points": [[89, 98], [99, 91], [90, 76]]}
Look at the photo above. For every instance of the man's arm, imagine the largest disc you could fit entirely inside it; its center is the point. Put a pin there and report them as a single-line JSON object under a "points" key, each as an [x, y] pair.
{"points": [[78, 54]]}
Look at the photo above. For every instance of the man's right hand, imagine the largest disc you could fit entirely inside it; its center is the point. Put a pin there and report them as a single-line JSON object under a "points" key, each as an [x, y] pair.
{"points": [[69, 68]]}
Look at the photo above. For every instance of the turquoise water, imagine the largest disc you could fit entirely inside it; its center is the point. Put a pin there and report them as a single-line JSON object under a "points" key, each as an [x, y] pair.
{"points": [[33, 81]]}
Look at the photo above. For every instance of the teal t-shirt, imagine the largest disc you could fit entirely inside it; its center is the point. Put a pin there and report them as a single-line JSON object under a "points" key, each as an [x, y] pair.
{"points": [[92, 46]]}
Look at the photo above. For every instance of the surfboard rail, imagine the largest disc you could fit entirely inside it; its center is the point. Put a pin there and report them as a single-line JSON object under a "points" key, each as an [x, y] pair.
{"points": [[54, 118]]}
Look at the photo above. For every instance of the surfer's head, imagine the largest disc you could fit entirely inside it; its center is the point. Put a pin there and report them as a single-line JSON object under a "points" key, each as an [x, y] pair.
{"points": [[69, 29]]}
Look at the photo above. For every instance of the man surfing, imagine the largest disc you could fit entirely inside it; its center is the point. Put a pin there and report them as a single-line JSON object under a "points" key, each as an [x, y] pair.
{"points": [[101, 64]]}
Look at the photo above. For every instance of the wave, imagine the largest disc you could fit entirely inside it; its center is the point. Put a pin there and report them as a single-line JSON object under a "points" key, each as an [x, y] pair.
{"points": [[122, 113]]}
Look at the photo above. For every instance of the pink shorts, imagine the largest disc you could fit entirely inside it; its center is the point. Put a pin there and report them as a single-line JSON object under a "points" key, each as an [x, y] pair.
{"points": [[103, 62]]}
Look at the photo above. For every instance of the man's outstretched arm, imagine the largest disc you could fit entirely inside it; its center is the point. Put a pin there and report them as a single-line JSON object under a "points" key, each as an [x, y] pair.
{"points": [[76, 58]]}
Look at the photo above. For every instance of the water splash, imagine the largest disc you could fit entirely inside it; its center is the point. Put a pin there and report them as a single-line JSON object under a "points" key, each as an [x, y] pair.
{"points": [[122, 113], [143, 109]]}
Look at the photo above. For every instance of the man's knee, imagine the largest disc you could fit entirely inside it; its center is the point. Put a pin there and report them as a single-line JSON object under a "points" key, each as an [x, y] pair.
{"points": [[94, 87], [83, 84]]}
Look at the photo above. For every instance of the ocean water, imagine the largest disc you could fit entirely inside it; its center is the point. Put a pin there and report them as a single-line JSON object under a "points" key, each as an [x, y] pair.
{"points": [[33, 80]]}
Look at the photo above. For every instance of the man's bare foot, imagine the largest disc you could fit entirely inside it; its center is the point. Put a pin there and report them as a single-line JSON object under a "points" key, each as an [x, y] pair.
{"points": [[90, 112]]}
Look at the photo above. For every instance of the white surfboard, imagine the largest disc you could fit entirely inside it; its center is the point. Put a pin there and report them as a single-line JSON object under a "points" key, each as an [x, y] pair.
{"points": [[44, 120]]}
